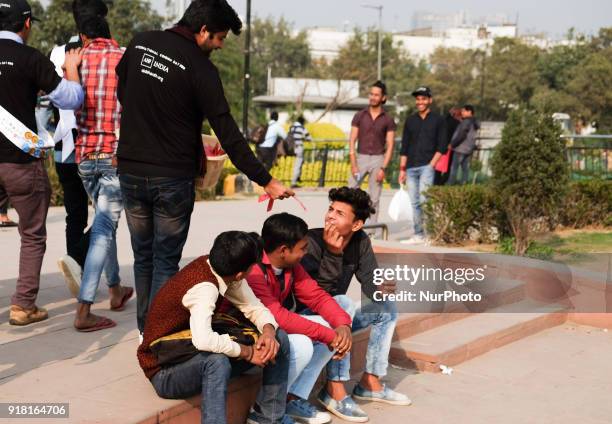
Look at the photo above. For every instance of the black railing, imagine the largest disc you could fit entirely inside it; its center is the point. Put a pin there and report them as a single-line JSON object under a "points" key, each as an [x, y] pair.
{"points": [[327, 163]]}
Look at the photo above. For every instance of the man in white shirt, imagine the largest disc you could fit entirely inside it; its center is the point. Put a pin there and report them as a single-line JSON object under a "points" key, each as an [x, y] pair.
{"points": [[266, 151]]}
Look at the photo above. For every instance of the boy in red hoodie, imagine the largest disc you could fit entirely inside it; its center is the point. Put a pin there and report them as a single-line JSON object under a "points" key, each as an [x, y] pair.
{"points": [[280, 282]]}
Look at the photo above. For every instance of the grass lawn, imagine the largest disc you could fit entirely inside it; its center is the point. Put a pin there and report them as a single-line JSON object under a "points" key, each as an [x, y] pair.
{"points": [[587, 249]]}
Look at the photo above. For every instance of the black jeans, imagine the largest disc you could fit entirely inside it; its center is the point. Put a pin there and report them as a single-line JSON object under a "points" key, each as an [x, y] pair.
{"points": [[267, 156], [209, 373], [76, 203], [463, 161], [158, 212]]}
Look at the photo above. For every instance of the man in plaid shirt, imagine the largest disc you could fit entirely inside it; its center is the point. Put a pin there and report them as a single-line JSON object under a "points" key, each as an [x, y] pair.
{"points": [[96, 146]]}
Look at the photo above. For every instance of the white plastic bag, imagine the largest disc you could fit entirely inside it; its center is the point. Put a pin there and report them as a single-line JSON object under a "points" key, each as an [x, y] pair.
{"points": [[400, 208]]}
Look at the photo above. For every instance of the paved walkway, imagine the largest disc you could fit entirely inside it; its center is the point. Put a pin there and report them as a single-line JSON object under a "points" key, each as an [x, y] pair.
{"points": [[560, 376]]}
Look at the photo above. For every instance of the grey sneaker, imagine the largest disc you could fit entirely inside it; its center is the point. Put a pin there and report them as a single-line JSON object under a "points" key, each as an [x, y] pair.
{"points": [[303, 412], [386, 395], [252, 418], [346, 409], [72, 274]]}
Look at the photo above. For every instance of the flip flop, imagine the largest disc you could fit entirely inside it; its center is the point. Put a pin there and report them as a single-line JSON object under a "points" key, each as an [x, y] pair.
{"points": [[8, 224], [101, 324], [129, 291]]}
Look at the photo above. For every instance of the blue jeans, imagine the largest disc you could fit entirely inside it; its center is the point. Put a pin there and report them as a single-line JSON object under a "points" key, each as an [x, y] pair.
{"points": [[382, 317], [419, 181], [308, 357], [209, 373], [102, 186], [158, 212]]}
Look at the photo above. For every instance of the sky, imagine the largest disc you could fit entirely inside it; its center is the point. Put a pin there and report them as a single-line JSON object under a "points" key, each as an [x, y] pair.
{"points": [[553, 17]]}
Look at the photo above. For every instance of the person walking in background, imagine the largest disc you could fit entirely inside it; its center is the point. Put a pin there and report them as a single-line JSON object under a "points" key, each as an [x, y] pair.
{"points": [[375, 129], [96, 147], [76, 200], [24, 71], [5, 221], [300, 134], [452, 119], [463, 144], [424, 141], [275, 133]]}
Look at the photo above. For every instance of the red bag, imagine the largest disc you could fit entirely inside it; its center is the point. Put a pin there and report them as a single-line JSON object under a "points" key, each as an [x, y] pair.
{"points": [[442, 165]]}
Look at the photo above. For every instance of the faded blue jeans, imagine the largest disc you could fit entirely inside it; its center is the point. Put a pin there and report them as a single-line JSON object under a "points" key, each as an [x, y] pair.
{"points": [[158, 211], [309, 357], [382, 317], [102, 185], [209, 373], [419, 181]]}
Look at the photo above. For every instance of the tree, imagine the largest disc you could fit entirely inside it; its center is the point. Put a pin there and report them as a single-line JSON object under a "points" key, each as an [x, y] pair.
{"points": [[511, 76], [530, 172], [590, 88], [358, 59], [452, 78], [125, 18], [275, 45]]}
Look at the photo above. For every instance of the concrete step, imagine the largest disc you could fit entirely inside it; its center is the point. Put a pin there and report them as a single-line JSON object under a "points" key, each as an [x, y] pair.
{"points": [[472, 336], [503, 292]]}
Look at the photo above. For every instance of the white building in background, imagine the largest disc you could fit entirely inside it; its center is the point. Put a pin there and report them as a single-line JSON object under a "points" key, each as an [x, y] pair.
{"points": [[325, 43]]}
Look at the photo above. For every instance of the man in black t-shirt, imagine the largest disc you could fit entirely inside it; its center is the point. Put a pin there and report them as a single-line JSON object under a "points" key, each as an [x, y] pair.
{"points": [[424, 141], [167, 87], [24, 71]]}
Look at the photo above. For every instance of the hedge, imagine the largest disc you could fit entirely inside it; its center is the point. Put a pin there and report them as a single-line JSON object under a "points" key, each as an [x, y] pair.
{"points": [[455, 214]]}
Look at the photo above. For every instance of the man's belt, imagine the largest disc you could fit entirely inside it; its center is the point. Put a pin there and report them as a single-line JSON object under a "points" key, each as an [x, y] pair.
{"points": [[97, 156]]}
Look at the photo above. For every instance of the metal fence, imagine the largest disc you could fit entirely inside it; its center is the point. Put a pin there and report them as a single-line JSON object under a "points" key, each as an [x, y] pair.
{"points": [[327, 163]]}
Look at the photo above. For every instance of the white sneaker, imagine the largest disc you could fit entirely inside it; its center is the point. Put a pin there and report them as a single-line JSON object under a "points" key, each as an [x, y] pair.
{"points": [[415, 240], [72, 274]]}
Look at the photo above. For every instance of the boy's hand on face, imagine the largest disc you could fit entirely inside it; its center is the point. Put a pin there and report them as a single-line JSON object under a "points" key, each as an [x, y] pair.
{"points": [[333, 240], [267, 344]]}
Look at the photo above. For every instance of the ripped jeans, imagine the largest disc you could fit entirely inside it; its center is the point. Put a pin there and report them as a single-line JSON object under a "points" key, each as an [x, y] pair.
{"points": [[158, 211], [102, 186]]}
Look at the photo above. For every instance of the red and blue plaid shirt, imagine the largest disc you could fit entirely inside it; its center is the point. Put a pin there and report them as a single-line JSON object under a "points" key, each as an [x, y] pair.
{"points": [[98, 120]]}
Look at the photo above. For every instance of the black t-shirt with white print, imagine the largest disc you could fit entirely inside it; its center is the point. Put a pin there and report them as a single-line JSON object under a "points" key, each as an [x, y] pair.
{"points": [[24, 71], [167, 86]]}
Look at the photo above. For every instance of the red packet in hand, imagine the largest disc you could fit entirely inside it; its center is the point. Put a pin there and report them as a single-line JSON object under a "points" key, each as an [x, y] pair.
{"points": [[267, 197]]}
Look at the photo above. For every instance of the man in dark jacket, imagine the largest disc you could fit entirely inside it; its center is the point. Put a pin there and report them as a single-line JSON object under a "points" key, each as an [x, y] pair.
{"points": [[336, 253], [463, 144]]}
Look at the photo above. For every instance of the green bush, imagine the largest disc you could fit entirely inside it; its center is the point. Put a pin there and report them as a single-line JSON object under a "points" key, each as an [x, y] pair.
{"points": [[530, 173], [588, 203], [454, 214]]}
